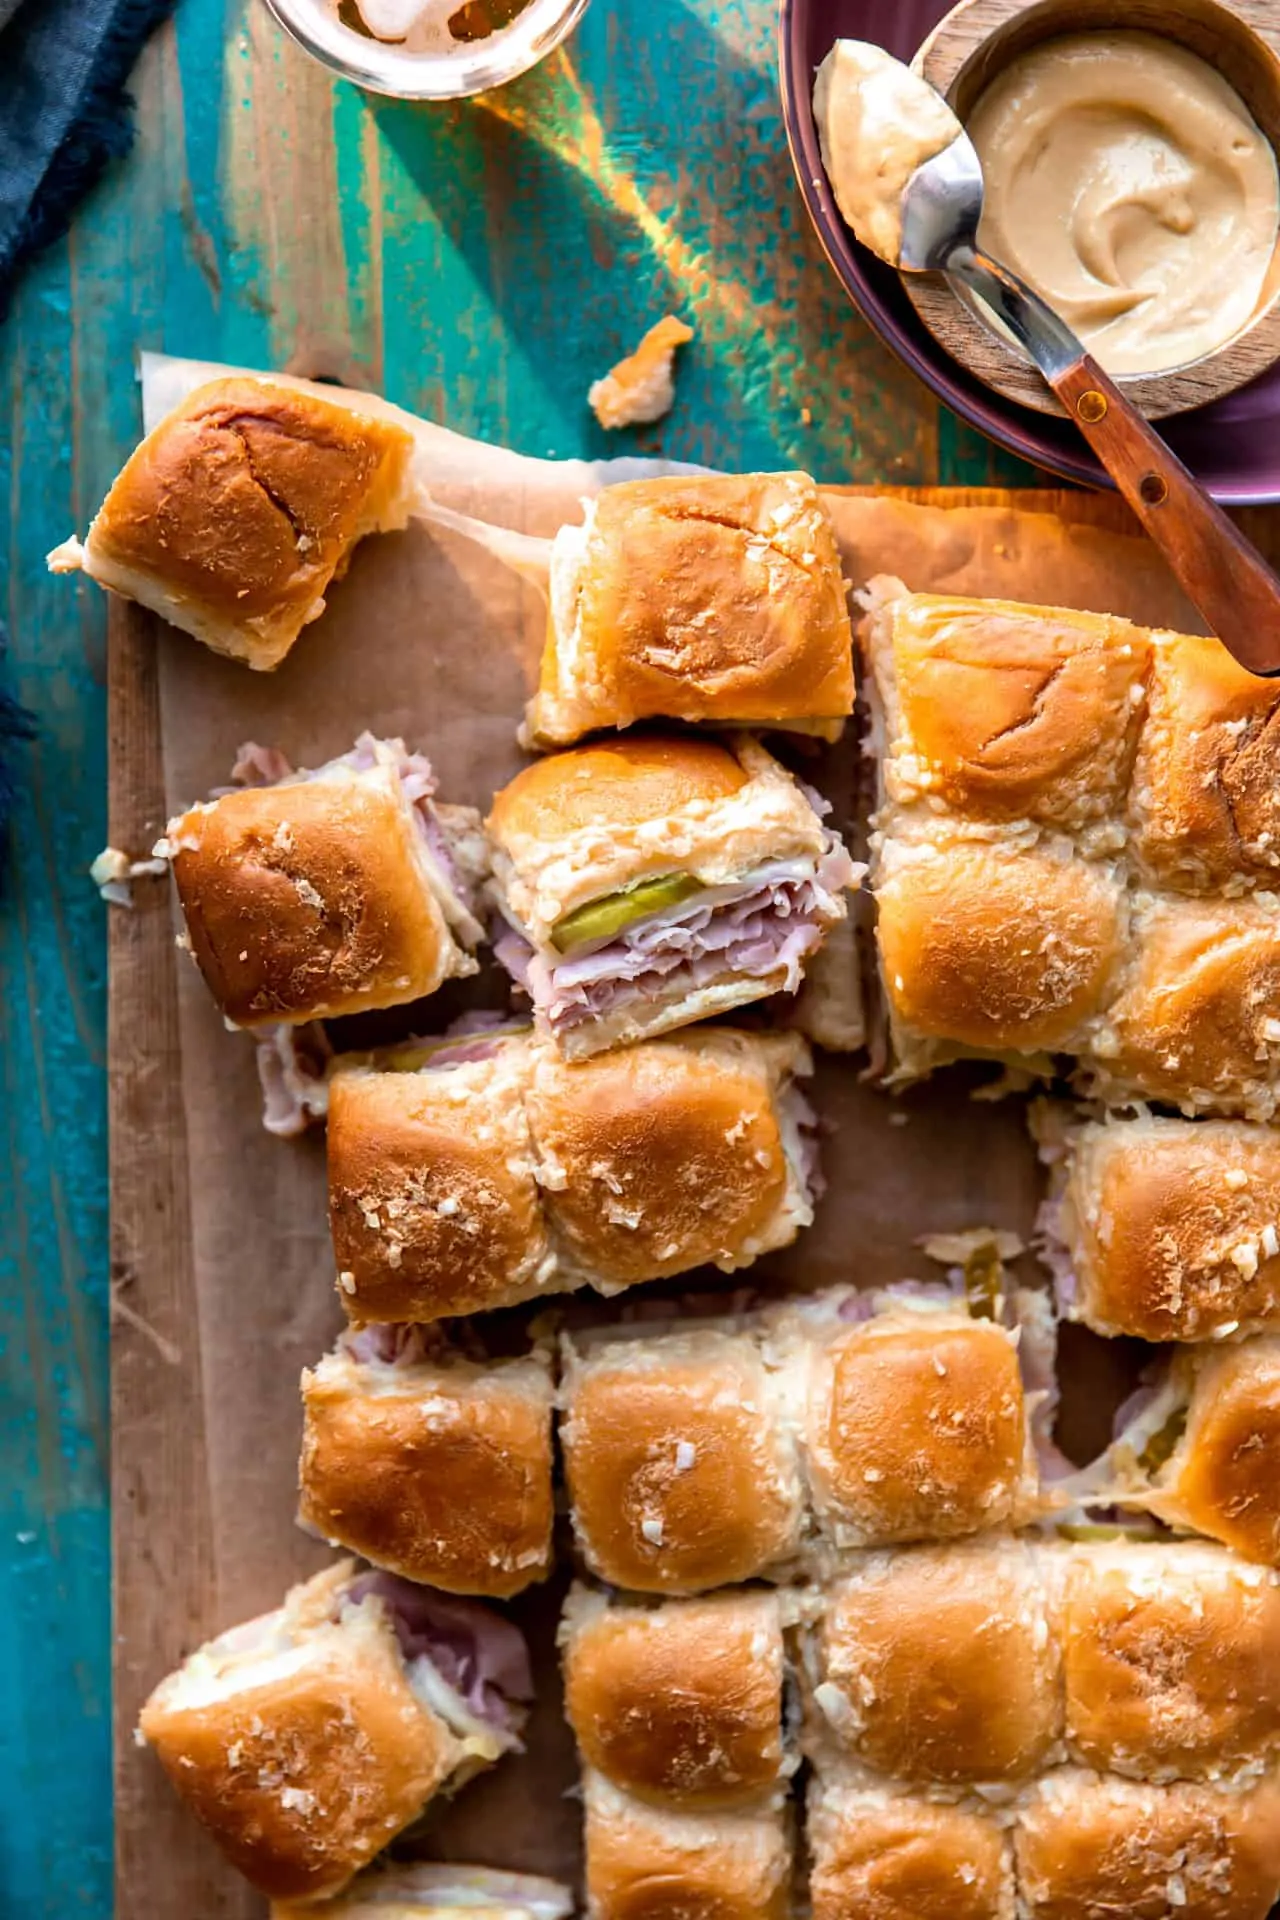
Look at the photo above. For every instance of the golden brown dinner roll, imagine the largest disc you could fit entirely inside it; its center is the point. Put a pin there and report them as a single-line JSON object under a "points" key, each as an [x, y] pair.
{"points": [[434, 1204], [681, 1473], [711, 598], [422, 1890], [681, 1703], [1167, 1229], [1197, 1023], [1221, 1474], [479, 1171], [1170, 1659], [648, 883], [1005, 712], [435, 1467], [649, 1863], [881, 1854], [914, 1421], [937, 1664], [305, 1740], [673, 1153], [990, 949], [328, 892], [235, 513], [1091, 1848], [1206, 785]]}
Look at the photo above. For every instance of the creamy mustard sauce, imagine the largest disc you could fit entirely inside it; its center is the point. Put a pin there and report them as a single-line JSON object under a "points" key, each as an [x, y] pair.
{"points": [[1128, 183], [877, 122]]}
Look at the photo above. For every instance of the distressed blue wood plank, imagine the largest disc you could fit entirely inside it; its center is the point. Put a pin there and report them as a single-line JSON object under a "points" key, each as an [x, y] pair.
{"points": [[484, 261]]}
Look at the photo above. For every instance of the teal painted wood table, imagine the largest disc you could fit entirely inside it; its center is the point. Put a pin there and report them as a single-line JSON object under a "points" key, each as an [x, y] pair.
{"points": [[481, 263]]}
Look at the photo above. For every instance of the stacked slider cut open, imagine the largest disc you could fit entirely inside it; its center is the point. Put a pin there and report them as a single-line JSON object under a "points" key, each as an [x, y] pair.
{"points": [[652, 881]]}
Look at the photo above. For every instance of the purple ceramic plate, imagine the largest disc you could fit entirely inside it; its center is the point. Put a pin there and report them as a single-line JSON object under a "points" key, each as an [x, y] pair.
{"points": [[1233, 446]]}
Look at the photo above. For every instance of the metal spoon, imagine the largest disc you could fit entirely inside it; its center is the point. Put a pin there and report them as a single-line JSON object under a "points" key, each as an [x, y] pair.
{"points": [[1213, 563]]}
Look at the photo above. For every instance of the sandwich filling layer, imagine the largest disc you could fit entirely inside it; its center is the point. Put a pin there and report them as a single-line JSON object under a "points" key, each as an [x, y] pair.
{"points": [[763, 925], [466, 1662]]}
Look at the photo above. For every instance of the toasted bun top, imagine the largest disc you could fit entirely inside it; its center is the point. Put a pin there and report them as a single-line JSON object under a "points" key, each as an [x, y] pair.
{"points": [[883, 1856], [714, 598], [1224, 1478], [937, 1663], [1009, 711], [614, 783], [680, 1703], [1171, 1660], [246, 498], [664, 1156], [440, 1473], [308, 900], [1197, 1025], [433, 1204], [996, 949], [1206, 786], [679, 1473], [1166, 1222], [303, 1763], [646, 1863], [917, 1432], [1087, 1846]]}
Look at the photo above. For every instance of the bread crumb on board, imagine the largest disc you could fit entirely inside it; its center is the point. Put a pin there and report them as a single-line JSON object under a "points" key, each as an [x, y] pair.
{"points": [[641, 388]]}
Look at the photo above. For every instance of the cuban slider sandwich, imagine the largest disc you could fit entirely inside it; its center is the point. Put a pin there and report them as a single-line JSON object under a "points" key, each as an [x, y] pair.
{"points": [[652, 882]]}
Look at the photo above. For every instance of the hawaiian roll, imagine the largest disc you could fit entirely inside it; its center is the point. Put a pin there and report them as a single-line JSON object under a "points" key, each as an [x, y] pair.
{"points": [[914, 1419], [328, 892], [432, 1466], [1170, 1659], [680, 1465], [937, 1664], [708, 598], [1005, 712], [649, 882], [1166, 1229], [1205, 799], [434, 1204], [306, 1739], [679, 1703], [236, 512], [882, 1854], [1088, 1847], [1212, 1464], [1196, 1023], [650, 1863], [993, 949], [695, 1149]]}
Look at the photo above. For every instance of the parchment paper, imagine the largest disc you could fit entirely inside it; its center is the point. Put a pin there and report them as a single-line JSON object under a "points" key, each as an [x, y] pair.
{"points": [[431, 638]]}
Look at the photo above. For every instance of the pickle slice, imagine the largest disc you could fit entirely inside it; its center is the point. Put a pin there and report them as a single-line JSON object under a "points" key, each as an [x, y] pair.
{"points": [[1085, 1531], [603, 918], [984, 1282], [1160, 1447]]}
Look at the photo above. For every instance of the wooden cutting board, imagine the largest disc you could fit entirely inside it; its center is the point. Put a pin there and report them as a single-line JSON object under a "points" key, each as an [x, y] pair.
{"points": [[220, 1283]]}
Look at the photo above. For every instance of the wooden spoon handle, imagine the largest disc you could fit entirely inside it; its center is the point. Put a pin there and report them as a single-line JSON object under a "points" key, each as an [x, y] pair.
{"points": [[1213, 563]]}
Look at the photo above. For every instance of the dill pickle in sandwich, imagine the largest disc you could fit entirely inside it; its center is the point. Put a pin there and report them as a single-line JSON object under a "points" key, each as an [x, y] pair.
{"points": [[646, 882], [605, 918]]}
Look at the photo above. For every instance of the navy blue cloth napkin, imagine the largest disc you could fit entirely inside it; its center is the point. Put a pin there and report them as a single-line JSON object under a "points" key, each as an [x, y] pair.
{"points": [[64, 114]]}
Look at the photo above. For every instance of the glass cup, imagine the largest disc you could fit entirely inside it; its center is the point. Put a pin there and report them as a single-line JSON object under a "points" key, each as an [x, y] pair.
{"points": [[460, 68]]}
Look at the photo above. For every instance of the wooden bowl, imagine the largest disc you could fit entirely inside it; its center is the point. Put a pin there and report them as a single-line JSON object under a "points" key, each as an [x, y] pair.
{"points": [[965, 52]]}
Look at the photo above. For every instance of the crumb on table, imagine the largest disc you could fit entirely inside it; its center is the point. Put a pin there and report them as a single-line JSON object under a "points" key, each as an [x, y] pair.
{"points": [[641, 388]]}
